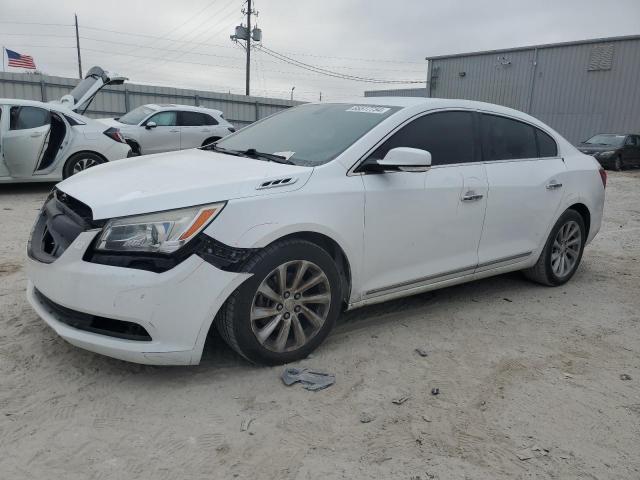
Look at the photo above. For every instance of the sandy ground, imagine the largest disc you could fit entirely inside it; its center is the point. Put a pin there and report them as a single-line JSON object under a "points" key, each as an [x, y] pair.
{"points": [[522, 370]]}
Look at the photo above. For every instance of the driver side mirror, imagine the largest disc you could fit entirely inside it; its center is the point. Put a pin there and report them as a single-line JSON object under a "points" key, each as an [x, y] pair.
{"points": [[400, 159], [150, 125]]}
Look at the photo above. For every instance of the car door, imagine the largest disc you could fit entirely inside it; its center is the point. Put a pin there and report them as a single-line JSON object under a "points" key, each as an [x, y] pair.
{"points": [[164, 137], [23, 144], [525, 177], [193, 129], [631, 151], [424, 227]]}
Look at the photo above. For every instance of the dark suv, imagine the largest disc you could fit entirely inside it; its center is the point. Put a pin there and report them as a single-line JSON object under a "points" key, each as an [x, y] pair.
{"points": [[613, 150]]}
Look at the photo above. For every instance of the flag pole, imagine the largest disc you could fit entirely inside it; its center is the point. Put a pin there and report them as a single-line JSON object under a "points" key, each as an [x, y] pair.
{"points": [[3, 49]]}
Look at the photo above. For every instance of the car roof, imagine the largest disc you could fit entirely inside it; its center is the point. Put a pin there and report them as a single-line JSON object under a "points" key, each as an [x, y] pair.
{"points": [[188, 108], [19, 101]]}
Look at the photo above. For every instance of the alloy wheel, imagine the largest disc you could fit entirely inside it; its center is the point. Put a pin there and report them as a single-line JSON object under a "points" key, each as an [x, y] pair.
{"points": [[566, 249], [290, 306], [83, 164]]}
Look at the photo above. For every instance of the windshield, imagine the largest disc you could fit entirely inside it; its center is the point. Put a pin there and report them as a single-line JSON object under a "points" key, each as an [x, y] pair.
{"points": [[136, 115], [311, 134], [609, 140]]}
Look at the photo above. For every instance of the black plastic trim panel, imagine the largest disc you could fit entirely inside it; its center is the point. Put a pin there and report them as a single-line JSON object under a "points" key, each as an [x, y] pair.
{"points": [[95, 324]]}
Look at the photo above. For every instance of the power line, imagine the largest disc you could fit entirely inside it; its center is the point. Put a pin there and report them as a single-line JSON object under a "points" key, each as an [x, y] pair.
{"points": [[330, 73]]}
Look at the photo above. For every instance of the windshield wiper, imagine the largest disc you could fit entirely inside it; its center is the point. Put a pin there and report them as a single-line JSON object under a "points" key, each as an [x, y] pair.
{"points": [[216, 148], [252, 152]]}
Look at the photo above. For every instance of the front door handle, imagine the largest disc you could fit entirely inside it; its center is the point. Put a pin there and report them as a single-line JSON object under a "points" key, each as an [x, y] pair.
{"points": [[36, 134], [472, 196], [553, 185], [174, 131]]}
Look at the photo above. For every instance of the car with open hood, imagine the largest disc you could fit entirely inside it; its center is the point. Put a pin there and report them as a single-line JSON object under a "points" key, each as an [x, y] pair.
{"points": [[268, 234], [157, 128], [46, 142]]}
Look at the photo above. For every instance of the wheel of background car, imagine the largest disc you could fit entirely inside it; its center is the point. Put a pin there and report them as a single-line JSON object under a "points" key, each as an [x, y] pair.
{"points": [[288, 306], [562, 253], [210, 140], [617, 164], [79, 162]]}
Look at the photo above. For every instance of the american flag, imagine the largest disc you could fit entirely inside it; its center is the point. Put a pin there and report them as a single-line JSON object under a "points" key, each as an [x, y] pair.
{"points": [[20, 61]]}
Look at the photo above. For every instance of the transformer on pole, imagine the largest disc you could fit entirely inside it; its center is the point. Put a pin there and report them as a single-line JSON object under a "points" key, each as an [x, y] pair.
{"points": [[246, 34]]}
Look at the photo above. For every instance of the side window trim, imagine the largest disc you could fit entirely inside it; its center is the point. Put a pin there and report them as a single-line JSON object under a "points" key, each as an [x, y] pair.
{"points": [[477, 147]]}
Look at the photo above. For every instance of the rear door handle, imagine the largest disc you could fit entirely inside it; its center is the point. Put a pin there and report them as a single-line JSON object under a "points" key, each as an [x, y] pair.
{"points": [[36, 134], [472, 196], [553, 185]]}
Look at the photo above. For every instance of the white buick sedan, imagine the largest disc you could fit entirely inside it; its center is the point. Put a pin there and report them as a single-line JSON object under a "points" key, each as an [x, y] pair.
{"points": [[268, 234]]}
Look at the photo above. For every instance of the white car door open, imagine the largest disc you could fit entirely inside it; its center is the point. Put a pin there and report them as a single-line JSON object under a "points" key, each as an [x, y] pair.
{"points": [[23, 143], [425, 227]]}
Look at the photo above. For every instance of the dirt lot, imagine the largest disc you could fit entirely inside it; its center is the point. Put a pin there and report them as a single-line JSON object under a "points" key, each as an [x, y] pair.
{"points": [[521, 369]]}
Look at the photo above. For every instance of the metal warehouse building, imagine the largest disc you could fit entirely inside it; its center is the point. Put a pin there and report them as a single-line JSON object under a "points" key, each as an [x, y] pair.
{"points": [[579, 88]]}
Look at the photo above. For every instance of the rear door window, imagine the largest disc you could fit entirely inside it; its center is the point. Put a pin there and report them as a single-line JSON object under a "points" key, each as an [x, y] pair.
{"points": [[24, 118], [192, 119], [448, 136], [507, 139]]}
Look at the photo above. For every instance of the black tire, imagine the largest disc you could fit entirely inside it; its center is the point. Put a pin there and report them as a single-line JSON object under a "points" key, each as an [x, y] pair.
{"points": [[542, 272], [210, 140], [135, 148], [233, 321], [617, 164], [74, 161]]}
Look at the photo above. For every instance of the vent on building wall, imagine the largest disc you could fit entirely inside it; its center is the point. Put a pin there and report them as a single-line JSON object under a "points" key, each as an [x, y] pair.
{"points": [[601, 57]]}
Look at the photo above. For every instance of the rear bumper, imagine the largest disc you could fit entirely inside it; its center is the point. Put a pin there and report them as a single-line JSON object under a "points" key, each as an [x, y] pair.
{"points": [[175, 307]]}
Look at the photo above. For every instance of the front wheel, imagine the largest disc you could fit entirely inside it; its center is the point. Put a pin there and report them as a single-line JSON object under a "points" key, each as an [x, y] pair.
{"points": [[287, 308], [80, 162], [562, 253], [617, 164]]}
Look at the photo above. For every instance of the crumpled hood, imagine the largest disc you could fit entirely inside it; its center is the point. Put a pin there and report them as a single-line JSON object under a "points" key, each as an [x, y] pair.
{"points": [[171, 180]]}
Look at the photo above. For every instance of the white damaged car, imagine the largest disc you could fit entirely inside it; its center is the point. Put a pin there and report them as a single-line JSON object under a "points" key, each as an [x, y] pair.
{"points": [[268, 234], [46, 142]]}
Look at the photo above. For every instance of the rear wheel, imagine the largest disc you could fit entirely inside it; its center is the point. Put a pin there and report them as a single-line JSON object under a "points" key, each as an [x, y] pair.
{"points": [[287, 308], [80, 162], [209, 141], [562, 253]]}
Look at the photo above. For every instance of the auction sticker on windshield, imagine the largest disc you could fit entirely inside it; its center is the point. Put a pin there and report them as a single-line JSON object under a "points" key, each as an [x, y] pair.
{"points": [[368, 109]]}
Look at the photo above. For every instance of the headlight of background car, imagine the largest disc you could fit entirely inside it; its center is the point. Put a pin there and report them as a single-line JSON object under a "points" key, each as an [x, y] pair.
{"points": [[606, 154], [162, 232]]}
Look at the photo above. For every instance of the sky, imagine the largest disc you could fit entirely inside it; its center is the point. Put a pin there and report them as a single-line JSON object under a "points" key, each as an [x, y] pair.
{"points": [[186, 43]]}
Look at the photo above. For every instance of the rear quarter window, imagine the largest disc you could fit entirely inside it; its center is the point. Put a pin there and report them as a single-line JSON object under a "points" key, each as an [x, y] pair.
{"points": [[547, 146]]}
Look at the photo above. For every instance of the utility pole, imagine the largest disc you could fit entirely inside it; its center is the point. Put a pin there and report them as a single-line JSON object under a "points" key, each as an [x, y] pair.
{"points": [[292, 89], [78, 48], [247, 34], [248, 68]]}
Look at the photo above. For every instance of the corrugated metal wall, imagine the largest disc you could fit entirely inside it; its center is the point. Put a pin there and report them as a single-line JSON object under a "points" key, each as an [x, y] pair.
{"points": [[400, 92], [558, 88], [113, 101]]}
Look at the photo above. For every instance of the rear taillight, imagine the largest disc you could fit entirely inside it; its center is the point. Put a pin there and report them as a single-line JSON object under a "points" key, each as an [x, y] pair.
{"points": [[114, 134], [603, 177]]}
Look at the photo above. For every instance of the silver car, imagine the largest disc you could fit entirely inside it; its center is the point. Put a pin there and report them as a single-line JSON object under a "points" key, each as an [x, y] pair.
{"points": [[157, 128]]}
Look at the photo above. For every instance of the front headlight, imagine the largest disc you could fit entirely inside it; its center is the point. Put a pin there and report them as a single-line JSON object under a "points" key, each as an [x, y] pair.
{"points": [[606, 154], [162, 232]]}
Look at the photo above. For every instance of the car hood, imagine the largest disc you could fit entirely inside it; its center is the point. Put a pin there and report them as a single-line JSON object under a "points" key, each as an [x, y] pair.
{"points": [[172, 180], [590, 148]]}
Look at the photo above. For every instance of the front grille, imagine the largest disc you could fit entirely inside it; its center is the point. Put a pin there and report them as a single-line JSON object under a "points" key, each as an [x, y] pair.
{"points": [[94, 323], [61, 220]]}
